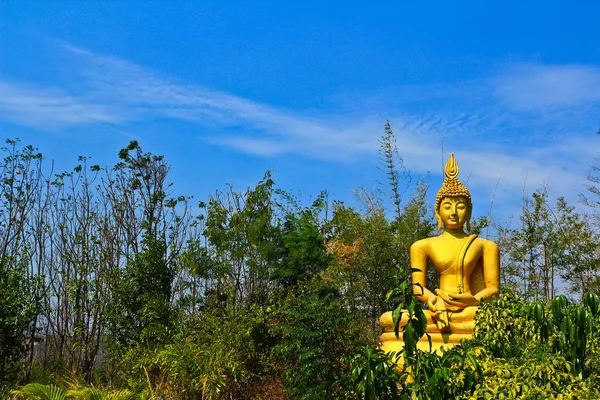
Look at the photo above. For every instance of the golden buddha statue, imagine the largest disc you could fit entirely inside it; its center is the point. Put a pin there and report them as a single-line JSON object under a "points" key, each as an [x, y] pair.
{"points": [[468, 266]]}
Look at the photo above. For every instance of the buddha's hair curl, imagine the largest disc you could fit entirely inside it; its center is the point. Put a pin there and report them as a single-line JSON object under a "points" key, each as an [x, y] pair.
{"points": [[452, 187]]}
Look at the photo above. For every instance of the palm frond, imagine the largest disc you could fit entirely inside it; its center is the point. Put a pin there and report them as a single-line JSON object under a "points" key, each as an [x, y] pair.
{"points": [[40, 391]]}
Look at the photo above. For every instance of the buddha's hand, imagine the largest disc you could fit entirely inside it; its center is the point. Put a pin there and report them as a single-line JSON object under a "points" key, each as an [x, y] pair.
{"points": [[431, 304], [458, 299]]}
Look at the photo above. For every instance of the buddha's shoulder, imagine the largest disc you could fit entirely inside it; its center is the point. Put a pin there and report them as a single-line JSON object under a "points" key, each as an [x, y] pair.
{"points": [[486, 243], [424, 243], [435, 240]]}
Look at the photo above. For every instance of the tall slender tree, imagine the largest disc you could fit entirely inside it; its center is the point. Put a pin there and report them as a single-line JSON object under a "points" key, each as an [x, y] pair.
{"points": [[392, 165]]}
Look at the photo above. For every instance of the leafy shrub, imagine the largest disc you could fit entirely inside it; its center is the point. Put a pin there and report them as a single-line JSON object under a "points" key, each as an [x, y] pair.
{"points": [[140, 313], [18, 308], [206, 358], [375, 374], [316, 336], [536, 351], [573, 325], [41, 392], [545, 377], [519, 350], [503, 328], [449, 375], [92, 393], [190, 369]]}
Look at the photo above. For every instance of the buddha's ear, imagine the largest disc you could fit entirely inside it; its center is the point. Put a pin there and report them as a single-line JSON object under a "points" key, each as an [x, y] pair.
{"points": [[469, 219], [439, 219]]}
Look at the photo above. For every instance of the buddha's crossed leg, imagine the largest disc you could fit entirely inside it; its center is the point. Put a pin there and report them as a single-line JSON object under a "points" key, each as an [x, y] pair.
{"points": [[460, 321]]}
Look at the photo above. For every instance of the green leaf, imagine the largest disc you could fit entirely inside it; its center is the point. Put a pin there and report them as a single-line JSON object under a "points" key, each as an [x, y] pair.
{"points": [[40, 391]]}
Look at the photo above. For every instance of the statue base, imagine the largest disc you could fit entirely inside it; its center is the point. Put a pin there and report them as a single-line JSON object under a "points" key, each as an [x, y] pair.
{"points": [[439, 341]]}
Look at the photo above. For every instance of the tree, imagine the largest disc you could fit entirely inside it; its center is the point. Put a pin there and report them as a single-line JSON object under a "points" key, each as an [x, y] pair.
{"points": [[142, 312], [18, 308], [141, 309], [317, 332], [20, 182], [398, 177], [369, 250], [244, 241], [304, 254], [551, 241]]}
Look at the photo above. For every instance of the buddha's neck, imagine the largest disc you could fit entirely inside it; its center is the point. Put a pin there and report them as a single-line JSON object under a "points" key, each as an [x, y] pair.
{"points": [[458, 233]]}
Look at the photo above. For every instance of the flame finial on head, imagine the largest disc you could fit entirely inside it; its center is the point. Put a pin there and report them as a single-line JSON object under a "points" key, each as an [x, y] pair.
{"points": [[451, 167]]}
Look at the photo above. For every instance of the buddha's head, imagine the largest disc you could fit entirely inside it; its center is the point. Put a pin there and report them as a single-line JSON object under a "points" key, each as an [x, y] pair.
{"points": [[453, 201]]}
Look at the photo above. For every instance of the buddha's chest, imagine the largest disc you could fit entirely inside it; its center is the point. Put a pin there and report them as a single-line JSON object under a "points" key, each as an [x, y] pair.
{"points": [[446, 256]]}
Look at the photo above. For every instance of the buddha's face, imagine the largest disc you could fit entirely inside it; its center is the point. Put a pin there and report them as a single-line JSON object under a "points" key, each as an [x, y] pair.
{"points": [[454, 212]]}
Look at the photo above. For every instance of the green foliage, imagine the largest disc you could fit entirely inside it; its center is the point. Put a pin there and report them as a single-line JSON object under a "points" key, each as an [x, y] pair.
{"points": [[41, 392], [18, 307], [190, 369], [392, 164], [317, 334], [259, 285], [19, 297], [368, 249], [533, 350], [449, 375], [408, 304], [551, 241], [519, 350], [141, 311], [537, 377], [502, 325], [244, 241], [364, 248], [207, 358], [568, 327], [304, 253], [375, 375], [92, 393]]}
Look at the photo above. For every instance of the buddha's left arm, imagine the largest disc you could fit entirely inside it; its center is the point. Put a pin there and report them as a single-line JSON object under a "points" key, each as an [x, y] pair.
{"points": [[491, 271]]}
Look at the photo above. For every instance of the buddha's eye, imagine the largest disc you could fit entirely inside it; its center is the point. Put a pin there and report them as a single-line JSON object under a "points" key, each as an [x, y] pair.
{"points": [[461, 206]]}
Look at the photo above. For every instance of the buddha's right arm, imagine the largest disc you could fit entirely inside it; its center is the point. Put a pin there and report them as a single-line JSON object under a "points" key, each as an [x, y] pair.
{"points": [[418, 261]]}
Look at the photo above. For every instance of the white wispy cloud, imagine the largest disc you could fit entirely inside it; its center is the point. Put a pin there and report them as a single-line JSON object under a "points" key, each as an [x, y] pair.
{"points": [[118, 92], [531, 86], [137, 93], [45, 108]]}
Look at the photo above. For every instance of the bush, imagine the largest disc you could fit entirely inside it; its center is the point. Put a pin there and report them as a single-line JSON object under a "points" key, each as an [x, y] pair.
{"points": [[18, 308], [536, 351], [208, 358], [503, 328], [543, 376], [375, 375], [317, 334], [519, 350]]}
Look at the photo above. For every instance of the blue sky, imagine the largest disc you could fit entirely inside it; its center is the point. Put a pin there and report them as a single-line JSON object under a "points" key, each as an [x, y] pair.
{"points": [[228, 89]]}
